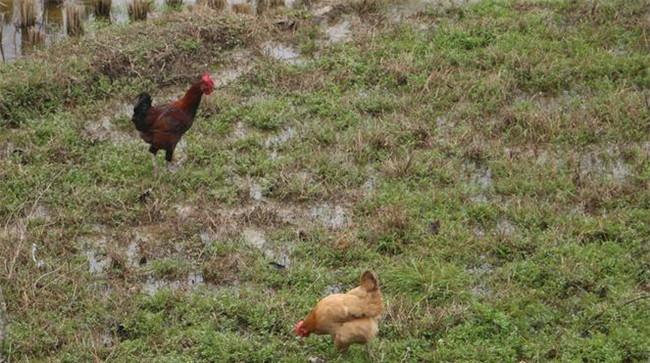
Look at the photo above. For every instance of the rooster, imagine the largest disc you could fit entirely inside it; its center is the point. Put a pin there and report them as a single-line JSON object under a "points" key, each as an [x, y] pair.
{"points": [[349, 318], [163, 126]]}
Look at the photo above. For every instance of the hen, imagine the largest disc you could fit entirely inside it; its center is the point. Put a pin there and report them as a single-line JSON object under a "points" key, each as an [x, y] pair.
{"points": [[163, 126], [349, 318]]}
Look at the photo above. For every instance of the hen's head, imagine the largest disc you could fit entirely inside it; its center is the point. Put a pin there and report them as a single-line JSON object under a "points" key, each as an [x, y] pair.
{"points": [[300, 330], [207, 84]]}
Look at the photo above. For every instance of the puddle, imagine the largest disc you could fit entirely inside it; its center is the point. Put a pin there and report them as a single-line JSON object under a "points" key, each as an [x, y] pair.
{"points": [[339, 33], [39, 213], [334, 217], [480, 289], [281, 138], [370, 184], [94, 251], [333, 289], [505, 228], [133, 254], [604, 165], [192, 281], [103, 130], [239, 131], [257, 239], [207, 237], [404, 10], [255, 191], [480, 179], [281, 52], [37, 262], [184, 211], [242, 60], [254, 238], [322, 11]]}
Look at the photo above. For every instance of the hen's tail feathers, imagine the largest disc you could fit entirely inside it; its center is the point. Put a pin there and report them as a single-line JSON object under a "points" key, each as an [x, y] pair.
{"points": [[140, 109], [369, 281]]}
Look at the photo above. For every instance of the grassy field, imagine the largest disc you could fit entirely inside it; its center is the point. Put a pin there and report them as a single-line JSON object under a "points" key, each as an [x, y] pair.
{"points": [[489, 160]]}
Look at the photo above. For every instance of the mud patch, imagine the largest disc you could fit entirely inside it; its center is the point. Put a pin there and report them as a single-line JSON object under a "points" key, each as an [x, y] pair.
{"points": [[255, 191], [38, 262], [103, 130], [505, 228], [333, 289], [184, 211], [480, 181], [257, 239], [281, 52], [604, 165], [281, 138], [480, 272], [241, 64], [193, 281], [333, 217], [339, 33], [240, 131], [95, 252]]}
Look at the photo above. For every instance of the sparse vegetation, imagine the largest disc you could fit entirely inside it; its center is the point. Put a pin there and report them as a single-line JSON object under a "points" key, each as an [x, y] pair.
{"points": [[489, 160]]}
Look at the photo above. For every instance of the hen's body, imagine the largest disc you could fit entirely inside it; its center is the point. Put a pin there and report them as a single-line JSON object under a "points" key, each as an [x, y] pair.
{"points": [[349, 318], [163, 126]]}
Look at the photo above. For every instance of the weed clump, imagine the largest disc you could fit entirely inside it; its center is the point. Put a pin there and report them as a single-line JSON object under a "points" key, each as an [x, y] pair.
{"points": [[139, 9], [174, 4]]}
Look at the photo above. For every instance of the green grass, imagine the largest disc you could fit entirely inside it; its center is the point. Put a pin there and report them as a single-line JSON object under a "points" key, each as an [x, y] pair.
{"points": [[518, 129]]}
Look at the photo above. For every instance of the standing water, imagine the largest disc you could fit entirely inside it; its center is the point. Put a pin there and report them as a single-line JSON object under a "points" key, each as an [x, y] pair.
{"points": [[17, 41]]}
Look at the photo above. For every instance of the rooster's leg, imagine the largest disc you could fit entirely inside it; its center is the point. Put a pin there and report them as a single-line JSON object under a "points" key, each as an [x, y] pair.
{"points": [[169, 153], [155, 166], [153, 152]]}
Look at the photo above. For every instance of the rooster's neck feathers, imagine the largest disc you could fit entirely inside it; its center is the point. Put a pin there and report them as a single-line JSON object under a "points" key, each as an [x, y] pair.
{"points": [[190, 102]]}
